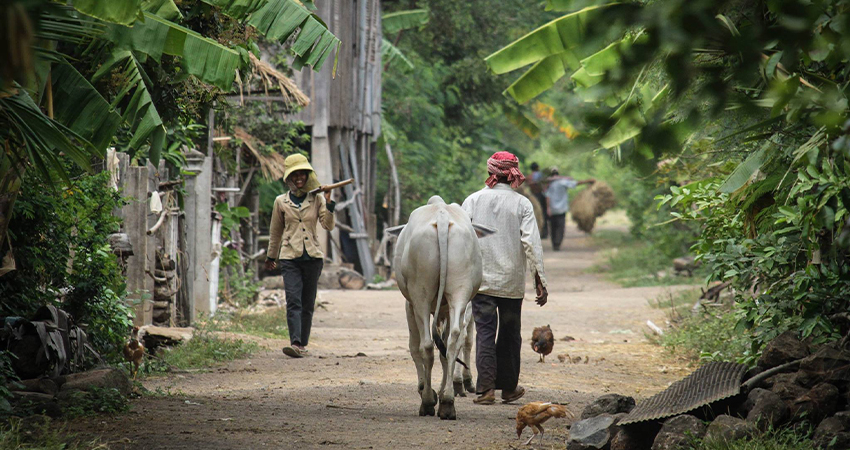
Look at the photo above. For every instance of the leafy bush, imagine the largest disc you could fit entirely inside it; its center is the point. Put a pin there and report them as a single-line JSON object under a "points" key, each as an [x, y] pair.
{"points": [[785, 439], [16, 434], [95, 401], [63, 257], [706, 337]]}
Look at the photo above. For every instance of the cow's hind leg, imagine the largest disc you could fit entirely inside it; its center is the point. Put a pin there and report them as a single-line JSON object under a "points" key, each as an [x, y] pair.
{"points": [[420, 325], [462, 381], [418, 361], [447, 399]]}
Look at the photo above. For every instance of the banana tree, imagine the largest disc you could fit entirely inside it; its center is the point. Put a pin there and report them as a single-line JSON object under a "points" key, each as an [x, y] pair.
{"points": [[48, 109]]}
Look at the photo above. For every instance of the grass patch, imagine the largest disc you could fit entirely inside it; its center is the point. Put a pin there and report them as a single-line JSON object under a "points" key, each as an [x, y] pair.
{"points": [[631, 262], [206, 349], [705, 336], [785, 439], [41, 433], [270, 323], [95, 401]]}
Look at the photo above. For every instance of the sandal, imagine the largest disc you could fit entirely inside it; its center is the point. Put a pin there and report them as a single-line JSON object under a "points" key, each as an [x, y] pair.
{"points": [[508, 397], [292, 352]]}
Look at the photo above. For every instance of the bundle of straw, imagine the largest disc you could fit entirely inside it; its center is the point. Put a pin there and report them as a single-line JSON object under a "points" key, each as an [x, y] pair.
{"points": [[591, 203]]}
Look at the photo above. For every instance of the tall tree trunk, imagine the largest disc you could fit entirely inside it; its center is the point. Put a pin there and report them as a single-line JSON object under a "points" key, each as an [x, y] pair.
{"points": [[10, 186]]}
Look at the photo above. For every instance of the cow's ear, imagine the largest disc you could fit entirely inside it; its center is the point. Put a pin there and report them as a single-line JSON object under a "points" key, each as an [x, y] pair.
{"points": [[395, 231], [483, 231]]}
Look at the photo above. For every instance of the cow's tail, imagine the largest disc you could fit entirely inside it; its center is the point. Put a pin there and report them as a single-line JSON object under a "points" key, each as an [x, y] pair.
{"points": [[443, 249]]}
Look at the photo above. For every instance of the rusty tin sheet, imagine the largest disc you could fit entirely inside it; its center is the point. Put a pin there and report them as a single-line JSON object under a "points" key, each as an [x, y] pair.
{"points": [[708, 384]]}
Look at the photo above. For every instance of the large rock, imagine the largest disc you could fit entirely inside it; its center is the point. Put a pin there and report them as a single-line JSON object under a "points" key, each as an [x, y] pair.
{"points": [[817, 404], [633, 437], [727, 428], [592, 433], [832, 433], [102, 379], [767, 411], [828, 364], [782, 349], [788, 391], [608, 404], [677, 432], [153, 337]]}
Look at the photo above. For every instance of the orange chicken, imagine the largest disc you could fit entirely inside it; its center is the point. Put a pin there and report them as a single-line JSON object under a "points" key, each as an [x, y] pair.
{"points": [[534, 414], [134, 351], [542, 341]]}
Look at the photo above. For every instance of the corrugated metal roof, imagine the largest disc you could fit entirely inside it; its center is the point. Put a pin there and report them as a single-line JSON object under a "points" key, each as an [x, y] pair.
{"points": [[708, 384]]}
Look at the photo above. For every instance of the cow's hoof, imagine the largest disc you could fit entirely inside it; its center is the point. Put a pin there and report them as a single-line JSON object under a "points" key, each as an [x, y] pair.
{"points": [[447, 411], [469, 385], [458, 387], [426, 410]]}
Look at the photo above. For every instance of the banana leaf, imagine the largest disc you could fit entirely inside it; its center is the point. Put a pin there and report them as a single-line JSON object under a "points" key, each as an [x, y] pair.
{"points": [[742, 174], [403, 20], [390, 54], [162, 8], [280, 19], [204, 58], [557, 36], [123, 12], [541, 76], [140, 113], [79, 106], [43, 139], [521, 121]]}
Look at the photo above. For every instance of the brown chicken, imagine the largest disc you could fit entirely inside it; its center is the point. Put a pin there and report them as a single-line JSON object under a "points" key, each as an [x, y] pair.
{"points": [[542, 341], [534, 414], [134, 351]]}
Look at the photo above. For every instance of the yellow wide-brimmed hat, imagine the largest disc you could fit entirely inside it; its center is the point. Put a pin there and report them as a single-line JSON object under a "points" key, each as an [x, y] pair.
{"points": [[294, 163]]}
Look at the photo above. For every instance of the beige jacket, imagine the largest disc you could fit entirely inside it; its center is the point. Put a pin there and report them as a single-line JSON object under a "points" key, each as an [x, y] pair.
{"points": [[293, 229]]}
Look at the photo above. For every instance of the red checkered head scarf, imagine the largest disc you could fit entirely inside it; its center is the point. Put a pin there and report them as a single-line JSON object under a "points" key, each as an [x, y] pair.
{"points": [[504, 165]]}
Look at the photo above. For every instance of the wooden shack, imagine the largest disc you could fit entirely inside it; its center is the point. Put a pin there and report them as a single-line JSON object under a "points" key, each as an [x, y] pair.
{"points": [[344, 119]]}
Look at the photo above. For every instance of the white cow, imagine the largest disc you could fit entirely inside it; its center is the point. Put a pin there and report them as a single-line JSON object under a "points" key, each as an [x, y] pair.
{"points": [[437, 258]]}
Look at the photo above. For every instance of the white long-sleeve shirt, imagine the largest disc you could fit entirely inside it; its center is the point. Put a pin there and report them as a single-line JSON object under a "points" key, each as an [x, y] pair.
{"points": [[515, 245]]}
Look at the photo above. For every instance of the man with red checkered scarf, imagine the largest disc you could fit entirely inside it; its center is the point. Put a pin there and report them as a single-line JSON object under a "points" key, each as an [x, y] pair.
{"points": [[505, 255]]}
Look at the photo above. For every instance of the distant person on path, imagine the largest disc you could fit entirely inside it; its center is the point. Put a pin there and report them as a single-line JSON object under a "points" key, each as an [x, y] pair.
{"points": [[558, 203], [294, 247], [498, 304], [537, 184]]}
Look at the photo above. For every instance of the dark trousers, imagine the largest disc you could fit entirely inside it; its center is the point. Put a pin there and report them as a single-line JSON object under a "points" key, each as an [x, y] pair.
{"points": [[544, 232], [300, 281], [497, 357], [559, 224]]}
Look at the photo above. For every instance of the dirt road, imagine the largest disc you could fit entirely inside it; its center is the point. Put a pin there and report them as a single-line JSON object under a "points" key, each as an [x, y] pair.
{"points": [[335, 399]]}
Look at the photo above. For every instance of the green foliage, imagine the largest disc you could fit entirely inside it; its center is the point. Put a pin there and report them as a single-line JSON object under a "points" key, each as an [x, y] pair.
{"points": [[784, 439], [206, 349], [21, 434], [270, 323], [7, 379], [235, 289], [708, 337], [635, 261], [63, 257], [94, 401]]}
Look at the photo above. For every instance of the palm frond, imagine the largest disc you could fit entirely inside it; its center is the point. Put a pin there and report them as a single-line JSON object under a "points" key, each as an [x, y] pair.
{"points": [[403, 20]]}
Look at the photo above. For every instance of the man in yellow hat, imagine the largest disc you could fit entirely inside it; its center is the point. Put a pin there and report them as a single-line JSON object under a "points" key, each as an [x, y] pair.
{"points": [[294, 247]]}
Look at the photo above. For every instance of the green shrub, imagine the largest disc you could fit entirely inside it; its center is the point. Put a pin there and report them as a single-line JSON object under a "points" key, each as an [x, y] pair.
{"points": [[706, 337], [95, 401], [63, 257], [785, 439], [633, 261], [16, 434]]}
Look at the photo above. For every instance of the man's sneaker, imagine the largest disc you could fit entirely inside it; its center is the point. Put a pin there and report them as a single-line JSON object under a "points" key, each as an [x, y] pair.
{"points": [[487, 398], [292, 352], [517, 394]]}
